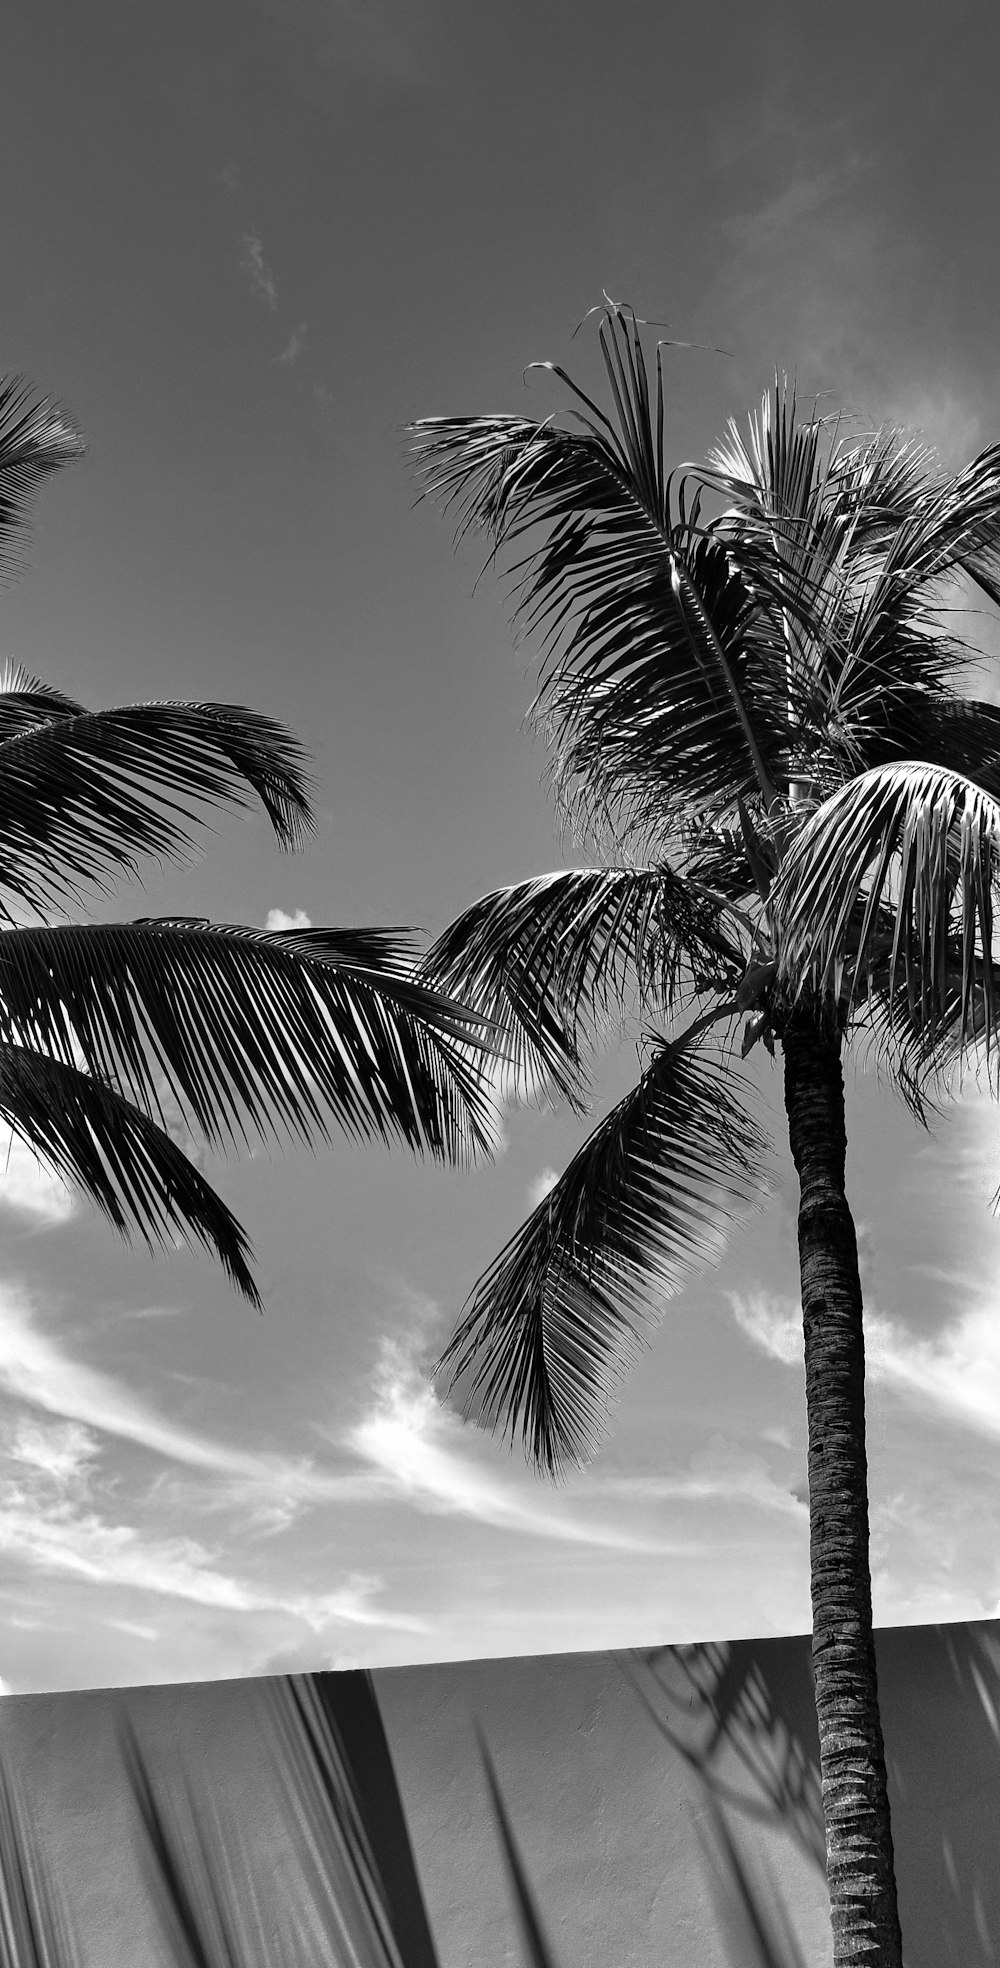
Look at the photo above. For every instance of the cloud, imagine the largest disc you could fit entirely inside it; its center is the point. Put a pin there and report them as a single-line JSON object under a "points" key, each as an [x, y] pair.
{"points": [[955, 1371], [417, 1447], [35, 1369], [722, 1472], [545, 1180], [27, 1185], [259, 274], [230, 177], [293, 347], [53, 1517], [279, 919]]}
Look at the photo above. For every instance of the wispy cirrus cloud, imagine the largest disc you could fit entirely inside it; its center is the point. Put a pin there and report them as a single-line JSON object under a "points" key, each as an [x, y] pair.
{"points": [[294, 346], [955, 1371], [57, 1518], [424, 1453], [254, 265]]}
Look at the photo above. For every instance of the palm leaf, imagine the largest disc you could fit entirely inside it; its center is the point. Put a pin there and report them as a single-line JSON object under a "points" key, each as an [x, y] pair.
{"points": [[916, 847], [83, 793], [266, 1031], [134, 1172], [550, 958], [659, 666], [935, 726], [36, 437], [551, 1327]]}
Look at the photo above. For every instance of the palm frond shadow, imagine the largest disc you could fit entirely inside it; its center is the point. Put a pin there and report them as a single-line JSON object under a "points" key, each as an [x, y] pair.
{"points": [[726, 1700], [754, 1923], [752, 1919], [538, 1951], [35, 1927], [356, 1896]]}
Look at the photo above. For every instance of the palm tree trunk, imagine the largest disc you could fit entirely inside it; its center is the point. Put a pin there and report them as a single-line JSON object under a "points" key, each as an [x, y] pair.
{"points": [[859, 1855]]}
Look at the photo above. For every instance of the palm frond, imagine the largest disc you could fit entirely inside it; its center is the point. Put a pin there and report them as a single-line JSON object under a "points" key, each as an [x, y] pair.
{"points": [[36, 437], [660, 671], [83, 793], [936, 727], [551, 1327], [551, 958], [915, 847], [25, 700], [135, 1174], [266, 1031]]}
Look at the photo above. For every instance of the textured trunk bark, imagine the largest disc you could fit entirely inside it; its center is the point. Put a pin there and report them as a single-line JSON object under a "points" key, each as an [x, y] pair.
{"points": [[859, 1855]]}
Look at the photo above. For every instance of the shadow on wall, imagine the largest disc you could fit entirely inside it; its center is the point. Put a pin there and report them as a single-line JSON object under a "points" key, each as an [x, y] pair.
{"points": [[939, 1693], [660, 1806], [939, 1690]]}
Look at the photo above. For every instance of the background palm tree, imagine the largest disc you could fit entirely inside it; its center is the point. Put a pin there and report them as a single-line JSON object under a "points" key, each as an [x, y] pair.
{"points": [[754, 707], [251, 1033]]}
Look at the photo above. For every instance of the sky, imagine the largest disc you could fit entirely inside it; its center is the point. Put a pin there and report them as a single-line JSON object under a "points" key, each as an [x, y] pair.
{"points": [[245, 244]]}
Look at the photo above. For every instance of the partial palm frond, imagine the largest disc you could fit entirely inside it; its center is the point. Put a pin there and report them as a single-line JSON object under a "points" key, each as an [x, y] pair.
{"points": [[934, 726], [922, 1060], [36, 437], [914, 847], [137, 1176], [25, 700], [83, 793], [661, 673], [552, 958], [271, 1031], [553, 1325]]}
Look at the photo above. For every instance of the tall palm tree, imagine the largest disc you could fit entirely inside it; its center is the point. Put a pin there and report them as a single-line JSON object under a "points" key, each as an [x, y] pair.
{"points": [[251, 1033], [754, 709]]}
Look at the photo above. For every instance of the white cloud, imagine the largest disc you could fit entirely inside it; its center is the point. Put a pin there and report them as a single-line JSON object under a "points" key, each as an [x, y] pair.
{"points": [[52, 1517], [27, 1185], [34, 1368], [415, 1445], [545, 1180], [294, 346], [259, 274], [279, 919], [955, 1371]]}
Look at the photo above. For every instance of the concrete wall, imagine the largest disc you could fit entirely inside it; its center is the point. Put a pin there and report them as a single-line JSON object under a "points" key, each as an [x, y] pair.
{"points": [[609, 1765]]}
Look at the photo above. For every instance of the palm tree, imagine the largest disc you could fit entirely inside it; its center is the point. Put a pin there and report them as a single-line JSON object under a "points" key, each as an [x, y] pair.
{"points": [[754, 710], [102, 1026]]}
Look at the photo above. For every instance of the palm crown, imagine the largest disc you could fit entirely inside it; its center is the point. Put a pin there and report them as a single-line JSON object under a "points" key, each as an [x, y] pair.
{"points": [[751, 696], [252, 1033]]}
